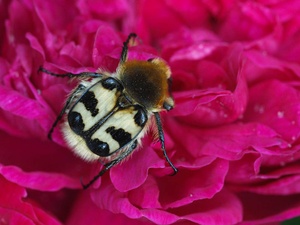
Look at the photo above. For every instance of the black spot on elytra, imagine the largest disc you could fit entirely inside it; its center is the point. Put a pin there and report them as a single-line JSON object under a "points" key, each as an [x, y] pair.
{"points": [[111, 83], [140, 118], [98, 147], [90, 102], [76, 122], [119, 135]]}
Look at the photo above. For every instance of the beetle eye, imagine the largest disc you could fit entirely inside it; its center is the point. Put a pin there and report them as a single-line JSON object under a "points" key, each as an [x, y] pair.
{"points": [[167, 106]]}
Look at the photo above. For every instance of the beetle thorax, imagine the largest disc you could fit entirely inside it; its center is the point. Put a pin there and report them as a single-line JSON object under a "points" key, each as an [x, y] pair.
{"points": [[146, 82]]}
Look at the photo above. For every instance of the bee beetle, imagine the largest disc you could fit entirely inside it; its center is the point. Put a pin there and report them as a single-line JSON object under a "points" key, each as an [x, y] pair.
{"points": [[108, 114]]}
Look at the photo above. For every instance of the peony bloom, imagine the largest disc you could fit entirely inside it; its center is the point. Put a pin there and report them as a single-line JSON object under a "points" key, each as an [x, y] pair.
{"points": [[234, 133]]}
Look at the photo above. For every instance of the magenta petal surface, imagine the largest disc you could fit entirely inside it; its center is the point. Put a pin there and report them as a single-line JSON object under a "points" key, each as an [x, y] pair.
{"points": [[233, 134], [16, 208]]}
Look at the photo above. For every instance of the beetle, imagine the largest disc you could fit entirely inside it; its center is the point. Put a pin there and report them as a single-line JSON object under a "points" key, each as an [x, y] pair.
{"points": [[107, 114]]}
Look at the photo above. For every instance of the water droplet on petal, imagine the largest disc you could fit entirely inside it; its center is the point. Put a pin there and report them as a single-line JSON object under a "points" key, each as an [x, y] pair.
{"points": [[280, 114]]}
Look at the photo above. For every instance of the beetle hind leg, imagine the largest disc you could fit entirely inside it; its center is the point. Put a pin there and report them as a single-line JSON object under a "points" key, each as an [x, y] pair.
{"points": [[109, 165], [162, 141]]}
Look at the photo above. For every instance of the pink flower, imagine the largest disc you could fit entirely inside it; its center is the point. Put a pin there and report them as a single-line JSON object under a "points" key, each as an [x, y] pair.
{"points": [[233, 134]]}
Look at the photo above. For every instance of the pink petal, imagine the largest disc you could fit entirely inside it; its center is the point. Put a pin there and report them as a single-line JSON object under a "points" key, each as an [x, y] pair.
{"points": [[258, 21], [27, 111], [224, 208], [268, 107], [35, 169], [288, 184], [261, 67], [191, 185], [228, 142], [135, 169], [107, 48], [166, 20], [213, 211], [245, 170], [85, 211], [147, 195], [107, 197], [107, 10], [233, 133], [38, 180], [218, 105], [270, 209], [15, 207]]}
